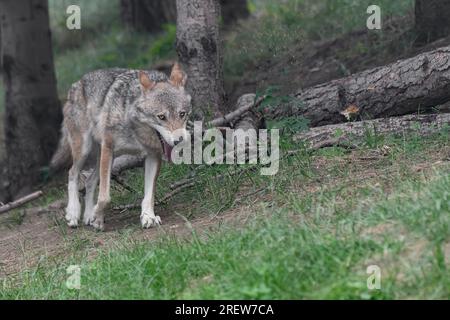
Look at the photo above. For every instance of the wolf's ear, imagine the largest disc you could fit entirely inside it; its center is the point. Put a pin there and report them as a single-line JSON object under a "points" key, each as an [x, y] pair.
{"points": [[145, 81], [178, 77]]}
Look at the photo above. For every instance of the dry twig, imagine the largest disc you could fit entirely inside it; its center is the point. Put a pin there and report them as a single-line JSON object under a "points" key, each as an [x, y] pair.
{"points": [[21, 201]]}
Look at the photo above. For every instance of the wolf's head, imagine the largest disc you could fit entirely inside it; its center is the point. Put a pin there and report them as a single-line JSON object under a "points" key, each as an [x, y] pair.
{"points": [[165, 107]]}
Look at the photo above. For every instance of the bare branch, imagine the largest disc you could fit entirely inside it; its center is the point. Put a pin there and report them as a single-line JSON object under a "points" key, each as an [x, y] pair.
{"points": [[21, 201], [236, 113]]}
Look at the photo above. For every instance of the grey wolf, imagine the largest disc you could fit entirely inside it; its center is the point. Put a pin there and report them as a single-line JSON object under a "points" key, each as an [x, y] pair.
{"points": [[118, 111]]}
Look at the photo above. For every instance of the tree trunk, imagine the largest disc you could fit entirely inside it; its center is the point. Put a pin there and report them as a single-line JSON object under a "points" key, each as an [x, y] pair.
{"points": [[432, 20], [233, 10], [33, 113], [147, 15], [151, 15], [407, 86], [199, 51], [1, 54], [421, 124]]}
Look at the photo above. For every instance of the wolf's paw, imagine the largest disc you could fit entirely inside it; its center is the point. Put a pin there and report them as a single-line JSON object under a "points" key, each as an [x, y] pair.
{"points": [[98, 223], [88, 220], [73, 223], [72, 218], [150, 220]]}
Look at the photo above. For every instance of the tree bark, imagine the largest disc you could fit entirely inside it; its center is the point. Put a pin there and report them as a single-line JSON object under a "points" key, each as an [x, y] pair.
{"points": [[407, 86], [421, 124], [250, 119], [432, 20], [147, 15], [1, 54], [151, 15], [33, 113], [3, 182], [199, 50]]}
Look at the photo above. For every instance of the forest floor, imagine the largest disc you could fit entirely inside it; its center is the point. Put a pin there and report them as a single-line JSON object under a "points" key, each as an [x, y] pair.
{"points": [[310, 231]]}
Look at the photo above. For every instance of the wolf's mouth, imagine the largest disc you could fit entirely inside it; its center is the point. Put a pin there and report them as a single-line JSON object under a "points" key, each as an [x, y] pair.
{"points": [[167, 149]]}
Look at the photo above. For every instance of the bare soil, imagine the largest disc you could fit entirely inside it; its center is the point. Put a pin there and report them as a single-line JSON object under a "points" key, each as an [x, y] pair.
{"points": [[46, 235]]}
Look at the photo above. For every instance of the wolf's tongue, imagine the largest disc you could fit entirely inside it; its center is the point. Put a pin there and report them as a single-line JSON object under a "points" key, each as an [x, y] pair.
{"points": [[168, 151]]}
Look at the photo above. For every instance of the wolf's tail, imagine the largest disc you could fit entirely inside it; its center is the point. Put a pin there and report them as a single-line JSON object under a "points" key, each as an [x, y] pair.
{"points": [[62, 159]]}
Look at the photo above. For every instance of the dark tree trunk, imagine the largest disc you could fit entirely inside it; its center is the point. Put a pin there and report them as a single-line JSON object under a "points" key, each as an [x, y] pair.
{"points": [[233, 10], [33, 113], [199, 50], [407, 86], [432, 20], [151, 15], [147, 15], [1, 54]]}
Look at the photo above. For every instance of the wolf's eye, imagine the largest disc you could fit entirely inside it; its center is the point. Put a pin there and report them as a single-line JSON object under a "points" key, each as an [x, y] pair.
{"points": [[182, 114], [161, 117]]}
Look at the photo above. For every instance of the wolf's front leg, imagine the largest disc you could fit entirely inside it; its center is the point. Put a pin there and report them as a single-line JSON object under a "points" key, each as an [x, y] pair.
{"points": [[152, 166], [73, 209], [104, 198]]}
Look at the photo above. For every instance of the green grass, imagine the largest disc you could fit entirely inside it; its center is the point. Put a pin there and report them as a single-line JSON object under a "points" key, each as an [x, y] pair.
{"points": [[283, 26], [104, 52], [311, 235], [102, 42], [327, 19], [97, 18], [270, 258]]}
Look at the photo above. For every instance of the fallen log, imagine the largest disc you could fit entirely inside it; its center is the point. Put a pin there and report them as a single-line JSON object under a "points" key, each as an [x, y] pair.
{"points": [[251, 118], [20, 202], [421, 124], [403, 87]]}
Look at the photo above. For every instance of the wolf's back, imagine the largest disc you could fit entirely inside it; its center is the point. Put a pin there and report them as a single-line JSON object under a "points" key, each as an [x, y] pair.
{"points": [[103, 83], [94, 88]]}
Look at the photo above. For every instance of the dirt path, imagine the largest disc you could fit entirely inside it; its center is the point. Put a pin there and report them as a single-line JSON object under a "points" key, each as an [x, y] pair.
{"points": [[46, 235]]}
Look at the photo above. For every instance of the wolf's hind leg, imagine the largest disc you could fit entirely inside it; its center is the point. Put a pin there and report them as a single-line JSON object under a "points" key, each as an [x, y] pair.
{"points": [[104, 197], [80, 150], [148, 217]]}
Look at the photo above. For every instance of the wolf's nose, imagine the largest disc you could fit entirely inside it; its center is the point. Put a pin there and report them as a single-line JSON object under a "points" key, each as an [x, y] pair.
{"points": [[178, 141]]}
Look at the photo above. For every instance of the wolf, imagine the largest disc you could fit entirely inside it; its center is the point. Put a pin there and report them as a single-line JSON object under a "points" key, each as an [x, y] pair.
{"points": [[112, 112]]}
